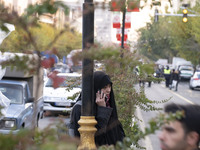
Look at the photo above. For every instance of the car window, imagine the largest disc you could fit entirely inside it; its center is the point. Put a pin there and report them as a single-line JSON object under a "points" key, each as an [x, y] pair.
{"points": [[74, 82], [198, 75], [12, 92]]}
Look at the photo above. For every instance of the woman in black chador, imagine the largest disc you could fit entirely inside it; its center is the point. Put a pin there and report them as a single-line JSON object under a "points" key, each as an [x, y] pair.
{"points": [[109, 128]]}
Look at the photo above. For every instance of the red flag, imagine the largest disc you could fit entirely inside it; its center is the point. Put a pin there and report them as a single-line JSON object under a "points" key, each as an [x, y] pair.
{"points": [[116, 20]]}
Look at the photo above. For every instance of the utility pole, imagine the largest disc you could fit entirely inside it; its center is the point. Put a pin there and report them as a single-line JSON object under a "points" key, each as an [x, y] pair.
{"points": [[123, 26], [87, 120]]}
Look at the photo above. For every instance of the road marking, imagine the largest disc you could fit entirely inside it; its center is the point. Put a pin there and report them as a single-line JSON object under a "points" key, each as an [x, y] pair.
{"points": [[185, 99]]}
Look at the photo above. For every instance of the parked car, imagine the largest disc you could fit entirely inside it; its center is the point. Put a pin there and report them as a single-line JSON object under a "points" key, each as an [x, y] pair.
{"points": [[195, 80], [25, 106], [186, 72], [63, 98]]}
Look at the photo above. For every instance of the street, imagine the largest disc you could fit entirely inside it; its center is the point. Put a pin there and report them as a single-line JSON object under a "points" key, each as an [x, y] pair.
{"points": [[52, 120], [157, 92]]}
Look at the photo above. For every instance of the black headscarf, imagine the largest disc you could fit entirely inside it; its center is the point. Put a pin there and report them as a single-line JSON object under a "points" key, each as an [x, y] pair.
{"points": [[101, 80], [114, 131]]}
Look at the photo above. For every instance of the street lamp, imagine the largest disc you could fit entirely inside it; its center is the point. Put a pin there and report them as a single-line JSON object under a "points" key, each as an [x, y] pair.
{"points": [[87, 120]]}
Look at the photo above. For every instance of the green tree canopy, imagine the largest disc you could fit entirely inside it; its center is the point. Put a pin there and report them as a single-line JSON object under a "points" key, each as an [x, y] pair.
{"points": [[17, 41], [171, 37]]}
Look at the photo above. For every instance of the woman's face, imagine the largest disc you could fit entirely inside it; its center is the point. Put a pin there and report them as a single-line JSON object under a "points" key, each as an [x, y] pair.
{"points": [[107, 89]]}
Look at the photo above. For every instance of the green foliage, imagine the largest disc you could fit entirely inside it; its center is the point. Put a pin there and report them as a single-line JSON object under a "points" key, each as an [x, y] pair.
{"points": [[48, 139], [171, 37], [154, 40], [47, 6], [131, 143], [31, 35], [43, 35], [121, 70]]}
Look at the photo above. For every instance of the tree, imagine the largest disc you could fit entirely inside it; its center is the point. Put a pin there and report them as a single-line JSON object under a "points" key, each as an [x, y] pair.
{"points": [[43, 35], [171, 37], [120, 68], [154, 40]]}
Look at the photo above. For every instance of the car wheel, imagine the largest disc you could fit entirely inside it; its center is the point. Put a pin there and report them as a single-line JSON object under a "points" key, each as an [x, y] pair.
{"points": [[191, 88]]}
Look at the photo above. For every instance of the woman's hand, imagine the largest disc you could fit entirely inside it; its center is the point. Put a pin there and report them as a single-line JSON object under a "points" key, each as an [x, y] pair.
{"points": [[100, 99]]}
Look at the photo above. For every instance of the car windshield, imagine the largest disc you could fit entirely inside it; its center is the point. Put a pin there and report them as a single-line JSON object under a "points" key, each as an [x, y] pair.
{"points": [[12, 92], [186, 68], [70, 81]]}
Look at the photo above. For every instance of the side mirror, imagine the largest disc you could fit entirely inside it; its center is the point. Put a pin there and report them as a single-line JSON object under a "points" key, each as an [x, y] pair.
{"points": [[30, 100]]}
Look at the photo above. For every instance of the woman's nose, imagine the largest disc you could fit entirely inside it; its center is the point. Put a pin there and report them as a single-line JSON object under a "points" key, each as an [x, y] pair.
{"points": [[108, 89]]}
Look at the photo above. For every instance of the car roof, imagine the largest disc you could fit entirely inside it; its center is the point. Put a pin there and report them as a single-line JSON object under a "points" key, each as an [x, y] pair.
{"points": [[15, 82], [75, 74]]}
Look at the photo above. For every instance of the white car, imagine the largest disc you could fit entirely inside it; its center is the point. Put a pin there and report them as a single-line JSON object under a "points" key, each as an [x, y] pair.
{"points": [[63, 98], [186, 72], [195, 80]]}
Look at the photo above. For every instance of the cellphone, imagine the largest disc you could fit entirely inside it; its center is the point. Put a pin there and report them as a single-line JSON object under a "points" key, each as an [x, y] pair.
{"points": [[99, 91]]}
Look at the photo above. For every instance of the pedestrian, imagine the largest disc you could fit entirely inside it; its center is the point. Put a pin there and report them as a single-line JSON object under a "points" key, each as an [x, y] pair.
{"points": [[167, 76], [109, 128], [140, 76], [182, 133], [174, 79]]}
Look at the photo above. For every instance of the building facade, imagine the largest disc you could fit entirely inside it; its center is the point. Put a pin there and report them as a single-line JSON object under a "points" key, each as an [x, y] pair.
{"points": [[19, 6]]}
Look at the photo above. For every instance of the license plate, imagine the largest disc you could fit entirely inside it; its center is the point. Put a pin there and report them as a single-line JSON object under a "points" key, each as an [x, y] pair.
{"points": [[63, 104]]}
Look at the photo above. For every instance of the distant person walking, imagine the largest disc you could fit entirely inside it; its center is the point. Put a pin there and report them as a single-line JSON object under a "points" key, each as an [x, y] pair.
{"points": [[174, 80], [167, 72]]}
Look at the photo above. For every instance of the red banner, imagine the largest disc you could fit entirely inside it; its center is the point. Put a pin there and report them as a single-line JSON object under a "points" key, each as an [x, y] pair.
{"points": [[116, 20], [128, 20], [118, 35]]}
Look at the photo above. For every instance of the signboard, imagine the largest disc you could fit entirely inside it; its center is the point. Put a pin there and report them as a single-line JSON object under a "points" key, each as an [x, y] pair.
{"points": [[128, 20], [116, 20], [118, 34]]}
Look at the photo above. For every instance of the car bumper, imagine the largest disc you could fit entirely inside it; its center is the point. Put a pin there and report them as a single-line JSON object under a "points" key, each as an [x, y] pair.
{"points": [[186, 76], [49, 107], [195, 84], [9, 131]]}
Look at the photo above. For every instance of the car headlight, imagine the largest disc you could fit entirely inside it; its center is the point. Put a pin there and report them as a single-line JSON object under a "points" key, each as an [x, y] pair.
{"points": [[10, 123]]}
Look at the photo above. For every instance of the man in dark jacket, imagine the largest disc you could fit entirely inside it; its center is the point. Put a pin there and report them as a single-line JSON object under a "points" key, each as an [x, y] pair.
{"points": [[174, 79], [184, 132], [109, 128]]}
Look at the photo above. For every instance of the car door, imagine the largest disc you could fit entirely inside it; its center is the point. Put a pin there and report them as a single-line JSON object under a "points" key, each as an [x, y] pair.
{"points": [[29, 110]]}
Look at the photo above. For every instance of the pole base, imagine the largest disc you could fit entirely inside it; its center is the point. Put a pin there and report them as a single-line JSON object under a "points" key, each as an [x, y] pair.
{"points": [[87, 130]]}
